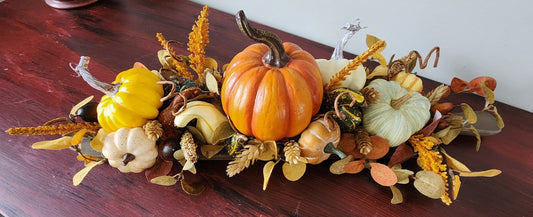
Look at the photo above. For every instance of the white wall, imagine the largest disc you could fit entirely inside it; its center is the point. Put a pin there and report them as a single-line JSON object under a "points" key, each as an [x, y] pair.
{"points": [[476, 37]]}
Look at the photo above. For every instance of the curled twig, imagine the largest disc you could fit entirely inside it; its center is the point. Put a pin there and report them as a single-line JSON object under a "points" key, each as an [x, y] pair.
{"points": [[336, 103], [424, 64]]}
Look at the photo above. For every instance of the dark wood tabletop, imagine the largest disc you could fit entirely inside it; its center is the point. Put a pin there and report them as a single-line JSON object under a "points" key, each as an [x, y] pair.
{"points": [[38, 42]]}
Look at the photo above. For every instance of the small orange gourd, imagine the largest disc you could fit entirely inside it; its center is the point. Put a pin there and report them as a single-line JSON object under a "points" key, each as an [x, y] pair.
{"points": [[271, 89], [316, 137]]}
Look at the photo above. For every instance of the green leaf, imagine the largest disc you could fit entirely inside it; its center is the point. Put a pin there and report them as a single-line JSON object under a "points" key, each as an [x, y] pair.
{"points": [[56, 144]]}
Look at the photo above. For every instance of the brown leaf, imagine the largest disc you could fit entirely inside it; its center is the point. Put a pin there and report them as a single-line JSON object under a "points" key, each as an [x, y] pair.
{"points": [[347, 143], [337, 168], [380, 147], [486, 173], [79, 176], [164, 180], [428, 130], [160, 168], [56, 144], [192, 189], [429, 184], [458, 85], [354, 167], [397, 196], [293, 172], [382, 174], [402, 153], [469, 113], [267, 172]]}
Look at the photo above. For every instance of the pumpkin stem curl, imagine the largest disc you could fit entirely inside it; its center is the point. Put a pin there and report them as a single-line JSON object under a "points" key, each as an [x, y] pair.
{"points": [[276, 57], [397, 103], [336, 103], [82, 68]]}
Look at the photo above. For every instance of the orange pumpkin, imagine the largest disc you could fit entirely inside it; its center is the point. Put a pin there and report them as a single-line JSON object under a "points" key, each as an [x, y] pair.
{"points": [[271, 89]]}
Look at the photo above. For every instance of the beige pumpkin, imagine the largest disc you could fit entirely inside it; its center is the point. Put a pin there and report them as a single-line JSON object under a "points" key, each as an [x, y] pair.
{"points": [[130, 150], [314, 139], [328, 68], [397, 114]]}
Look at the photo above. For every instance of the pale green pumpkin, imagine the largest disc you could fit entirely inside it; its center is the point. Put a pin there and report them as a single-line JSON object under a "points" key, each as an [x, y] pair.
{"points": [[395, 121]]}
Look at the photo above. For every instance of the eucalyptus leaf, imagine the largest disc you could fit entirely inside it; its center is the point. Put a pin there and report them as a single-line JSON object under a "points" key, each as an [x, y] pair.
{"points": [[79, 176], [56, 144], [402, 175], [293, 172], [179, 155], [211, 82], [489, 94], [478, 137], [454, 163], [456, 186], [267, 172], [192, 189], [164, 180], [429, 184], [451, 135], [269, 151]]}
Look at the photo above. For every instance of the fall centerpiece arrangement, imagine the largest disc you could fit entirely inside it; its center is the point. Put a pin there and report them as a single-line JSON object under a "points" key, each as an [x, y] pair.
{"points": [[275, 102]]}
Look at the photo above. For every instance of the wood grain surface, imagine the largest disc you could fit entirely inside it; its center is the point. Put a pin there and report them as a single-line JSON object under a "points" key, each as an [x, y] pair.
{"points": [[36, 44]]}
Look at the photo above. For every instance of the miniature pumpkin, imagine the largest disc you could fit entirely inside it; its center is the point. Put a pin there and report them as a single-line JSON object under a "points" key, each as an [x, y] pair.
{"points": [[130, 150], [316, 137], [409, 81], [397, 114], [131, 100], [271, 92]]}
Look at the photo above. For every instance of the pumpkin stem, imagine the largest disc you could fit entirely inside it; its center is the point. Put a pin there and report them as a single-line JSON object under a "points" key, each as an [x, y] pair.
{"points": [[331, 149], [339, 48], [276, 57], [126, 158], [397, 103], [82, 68]]}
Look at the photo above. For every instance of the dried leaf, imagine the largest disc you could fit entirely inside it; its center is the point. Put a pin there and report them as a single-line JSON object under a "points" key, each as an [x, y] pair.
{"points": [[397, 196], [456, 186], [451, 135], [380, 147], [453, 163], [76, 139], [478, 137], [402, 174], [267, 171], [222, 132], [429, 184], [160, 168], [211, 82], [377, 72], [179, 155], [139, 65], [75, 108], [97, 143], [293, 172], [188, 165], [499, 118], [269, 151], [164, 180], [402, 153], [469, 113], [337, 168], [56, 144], [489, 94], [382, 174], [371, 40], [209, 151], [192, 189], [486, 173], [458, 85], [79, 176], [354, 167]]}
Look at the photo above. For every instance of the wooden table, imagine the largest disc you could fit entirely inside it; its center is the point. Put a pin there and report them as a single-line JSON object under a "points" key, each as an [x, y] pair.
{"points": [[36, 44]]}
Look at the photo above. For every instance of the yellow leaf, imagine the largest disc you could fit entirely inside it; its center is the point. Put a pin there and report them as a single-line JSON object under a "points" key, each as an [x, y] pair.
{"points": [[378, 71], [430, 184], [269, 151], [454, 163], [267, 171], [98, 141], [469, 113], [489, 94], [451, 135], [456, 186], [397, 196], [293, 172], [76, 139], [211, 82], [371, 40], [57, 144], [486, 173], [499, 119], [478, 137], [210, 63], [192, 189], [381, 59], [78, 177], [75, 109], [164, 180]]}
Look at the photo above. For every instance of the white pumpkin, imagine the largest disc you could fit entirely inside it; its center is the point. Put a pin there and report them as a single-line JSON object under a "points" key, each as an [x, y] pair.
{"points": [[395, 123], [130, 150], [328, 68]]}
